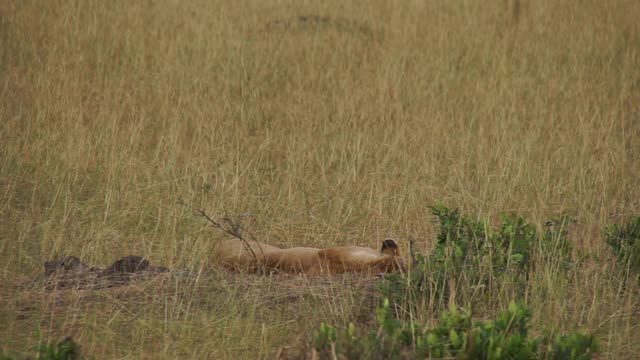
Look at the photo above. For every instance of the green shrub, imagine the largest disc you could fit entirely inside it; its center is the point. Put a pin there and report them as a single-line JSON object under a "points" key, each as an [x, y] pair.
{"points": [[475, 259], [576, 346], [65, 349], [625, 241], [455, 335], [504, 337]]}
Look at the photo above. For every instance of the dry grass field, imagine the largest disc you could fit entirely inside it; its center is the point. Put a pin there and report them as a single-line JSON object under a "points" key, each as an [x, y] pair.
{"points": [[325, 123]]}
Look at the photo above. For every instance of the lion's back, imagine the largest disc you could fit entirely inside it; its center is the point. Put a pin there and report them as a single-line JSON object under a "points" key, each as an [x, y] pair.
{"points": [[233, 254]]}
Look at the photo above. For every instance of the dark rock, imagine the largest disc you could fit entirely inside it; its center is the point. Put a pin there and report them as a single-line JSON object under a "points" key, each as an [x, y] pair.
{"points": [[158, 269], [70, 272], [66, 264], [128, 264], [317, 22]]}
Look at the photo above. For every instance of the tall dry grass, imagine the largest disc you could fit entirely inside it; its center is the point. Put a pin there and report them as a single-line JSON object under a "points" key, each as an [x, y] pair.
{"points": [[336, 130]]}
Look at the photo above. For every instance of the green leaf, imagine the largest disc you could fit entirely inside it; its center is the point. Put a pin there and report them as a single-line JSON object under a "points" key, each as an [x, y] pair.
{"points": [[454, 338], [517, 258]]}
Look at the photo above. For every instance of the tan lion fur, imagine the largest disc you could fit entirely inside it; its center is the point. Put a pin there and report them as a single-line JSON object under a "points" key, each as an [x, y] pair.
{"points": [[234, 255]]}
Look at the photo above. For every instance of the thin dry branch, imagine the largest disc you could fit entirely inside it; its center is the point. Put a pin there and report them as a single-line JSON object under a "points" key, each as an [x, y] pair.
{"points": [[412, 251], [229, 226]]}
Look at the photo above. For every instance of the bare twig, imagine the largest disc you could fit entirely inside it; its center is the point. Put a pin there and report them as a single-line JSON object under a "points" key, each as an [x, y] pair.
{"points": [[412, 251], [227, 225]]}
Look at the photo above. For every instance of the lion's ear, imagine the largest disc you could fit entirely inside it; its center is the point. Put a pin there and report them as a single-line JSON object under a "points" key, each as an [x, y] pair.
{"points": [[389, 247]]}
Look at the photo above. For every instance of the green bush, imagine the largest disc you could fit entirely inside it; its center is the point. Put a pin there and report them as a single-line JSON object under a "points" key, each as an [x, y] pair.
{"points": [[65, 349], [454, 336], [576, 346], [625, 241], [475, 259]]}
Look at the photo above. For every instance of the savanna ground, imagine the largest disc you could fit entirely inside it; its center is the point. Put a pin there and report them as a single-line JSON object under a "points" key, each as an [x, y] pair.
{"points": [[329, 130]]}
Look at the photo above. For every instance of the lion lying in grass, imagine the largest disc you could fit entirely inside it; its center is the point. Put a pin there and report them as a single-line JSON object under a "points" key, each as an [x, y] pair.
{"points": [[235, 255]]}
